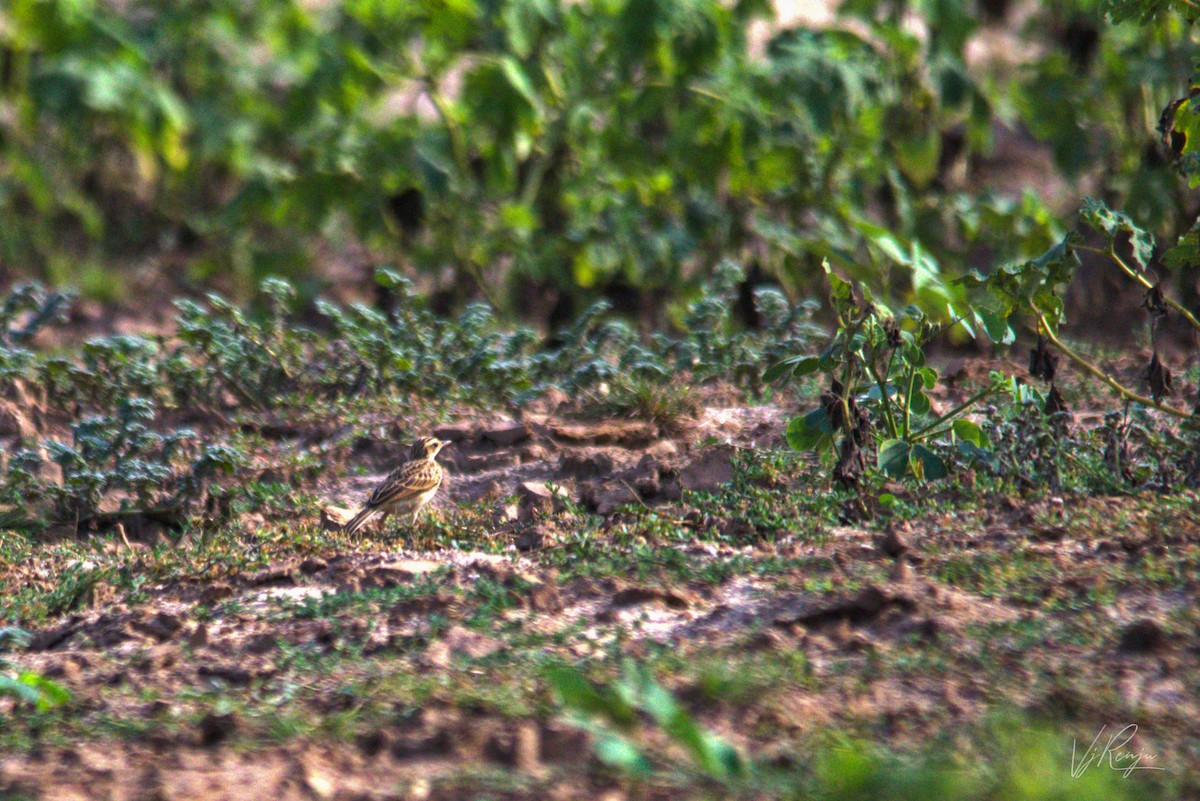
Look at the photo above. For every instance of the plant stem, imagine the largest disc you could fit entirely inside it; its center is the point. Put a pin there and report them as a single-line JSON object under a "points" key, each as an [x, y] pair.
{"points": [[1115, 385], [1141, 279], [887, 401], [957, 410], [907, 401], [457, 144]]}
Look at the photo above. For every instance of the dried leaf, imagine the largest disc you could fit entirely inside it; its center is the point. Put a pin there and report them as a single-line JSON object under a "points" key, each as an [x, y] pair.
{"points": [[1042, 361], [1159, 377]]}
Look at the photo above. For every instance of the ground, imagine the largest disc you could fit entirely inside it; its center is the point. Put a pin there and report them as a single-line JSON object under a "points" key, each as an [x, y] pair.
{"points": [[277, 658]]}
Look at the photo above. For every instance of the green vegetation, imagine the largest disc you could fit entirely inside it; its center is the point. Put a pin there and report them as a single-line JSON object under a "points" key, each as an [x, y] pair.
{"points": [[576, 147], [792, 548]]}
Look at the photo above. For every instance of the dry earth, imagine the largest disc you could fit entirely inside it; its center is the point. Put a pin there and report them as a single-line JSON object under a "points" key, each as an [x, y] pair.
{"points": [[901, 627]]}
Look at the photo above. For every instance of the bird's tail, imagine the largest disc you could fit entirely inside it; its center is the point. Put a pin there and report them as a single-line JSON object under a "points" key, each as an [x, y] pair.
{"points": [[359, 520]]}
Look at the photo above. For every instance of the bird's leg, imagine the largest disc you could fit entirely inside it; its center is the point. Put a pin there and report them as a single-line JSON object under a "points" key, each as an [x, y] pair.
{"points": [[383, 522]]}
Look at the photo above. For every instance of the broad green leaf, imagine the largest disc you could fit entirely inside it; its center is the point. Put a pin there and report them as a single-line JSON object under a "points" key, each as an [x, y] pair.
{"points": [[969, 431], [1179, 127], [925, 464], [893, 457], [996, 325], [1186, 252], [918, 402], [35, 689], [612, 749], [809, 431], [1112, 223], [793, 367], [577, 693]]}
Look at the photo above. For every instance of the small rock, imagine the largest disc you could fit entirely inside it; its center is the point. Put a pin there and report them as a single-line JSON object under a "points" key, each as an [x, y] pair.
{"points": [[508, 434], [404, 571], [217, 591], [709, 471], [533, 453], [540, 489], [335, 518], [584, 464], [1141, 636], [537, 498], [68, 670], [561, 743], [544, 597], [608, 497], [278, 576], [509, 513], [215, 728], [647, 486], [455, 432], [317, 781], [662, 449], [669, 488]]}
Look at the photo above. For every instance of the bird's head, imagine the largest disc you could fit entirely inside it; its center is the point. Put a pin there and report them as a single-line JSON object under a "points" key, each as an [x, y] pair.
{"points": [[427, 447]]}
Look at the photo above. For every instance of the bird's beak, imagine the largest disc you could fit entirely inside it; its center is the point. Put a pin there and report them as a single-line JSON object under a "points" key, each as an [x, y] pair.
{"points": [[445, 443]]}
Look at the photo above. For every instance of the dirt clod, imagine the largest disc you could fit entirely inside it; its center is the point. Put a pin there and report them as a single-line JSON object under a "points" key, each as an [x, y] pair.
{"points": [[893, 543], [588, 464], [334, 518], [633, 596], [161, 626], [709, 471], [506, 435]]}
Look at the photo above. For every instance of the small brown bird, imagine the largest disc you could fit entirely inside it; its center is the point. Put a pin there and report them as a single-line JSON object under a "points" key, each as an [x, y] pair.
{"points": [[408, 488]]}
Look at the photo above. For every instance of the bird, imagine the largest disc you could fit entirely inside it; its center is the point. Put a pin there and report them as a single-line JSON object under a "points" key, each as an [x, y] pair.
{"points": [[406, 489]]}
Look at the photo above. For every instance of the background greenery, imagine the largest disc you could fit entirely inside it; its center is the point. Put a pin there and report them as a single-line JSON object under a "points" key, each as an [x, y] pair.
{"points": [[618, 147]]}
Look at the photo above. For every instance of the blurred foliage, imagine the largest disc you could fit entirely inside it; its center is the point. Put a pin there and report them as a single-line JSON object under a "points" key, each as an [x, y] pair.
{"points": [[575, 148], [1007, 757], [30, 690]]}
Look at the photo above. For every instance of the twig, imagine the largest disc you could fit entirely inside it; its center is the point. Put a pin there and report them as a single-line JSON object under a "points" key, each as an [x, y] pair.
{"points": [[1115, 385], [1141, 279]]}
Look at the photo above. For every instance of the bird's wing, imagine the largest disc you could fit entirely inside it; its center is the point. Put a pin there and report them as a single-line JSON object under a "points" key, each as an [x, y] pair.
{"points": [[407, 481]]}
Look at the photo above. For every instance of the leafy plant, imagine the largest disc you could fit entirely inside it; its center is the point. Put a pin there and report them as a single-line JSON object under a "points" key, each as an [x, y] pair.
{"points": [[115, 465], [578, 149], [877, 400], [610, 714], [27, 687]]}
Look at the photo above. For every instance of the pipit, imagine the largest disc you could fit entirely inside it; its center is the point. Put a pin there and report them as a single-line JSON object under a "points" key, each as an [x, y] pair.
{"points": [[408, 488]]}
